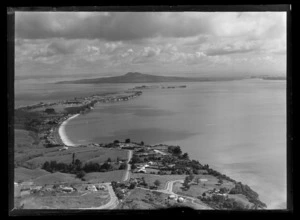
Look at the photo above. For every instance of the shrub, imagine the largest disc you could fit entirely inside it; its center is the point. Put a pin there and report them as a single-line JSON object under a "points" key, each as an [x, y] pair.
{"points": [[127, 140], [157, 183]]}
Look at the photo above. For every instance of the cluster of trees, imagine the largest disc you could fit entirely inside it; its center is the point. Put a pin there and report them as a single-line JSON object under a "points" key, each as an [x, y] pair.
{"points": [[30, 121], [217, 174], [252, 196], [182, 166], [136, 159], [220, 202], [50, 110], [187, 180], [118, 186], [79, 109], [175, 150], [76, 166]]}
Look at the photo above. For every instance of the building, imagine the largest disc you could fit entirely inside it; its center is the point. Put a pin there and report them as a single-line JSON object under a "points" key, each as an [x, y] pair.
{"points": [[91, 188], [64, 148], [100, 187], [172, 196], [141, 170], [180, 199], [67, 189]]}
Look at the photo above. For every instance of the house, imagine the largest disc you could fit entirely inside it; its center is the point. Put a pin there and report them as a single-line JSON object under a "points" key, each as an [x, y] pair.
{"points": [[67, 189], [100, 187], [172, 196], [64, 148], [171, 165], [91, 188], [160, 152], [180, 199], [142, 170], [37, 188]]}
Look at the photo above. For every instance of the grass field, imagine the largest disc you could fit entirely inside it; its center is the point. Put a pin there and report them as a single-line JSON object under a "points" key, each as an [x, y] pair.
{"points": [[25, 139], [36, 158], [57, 177], [116, 175], [144, 199], [198, 190], [150, 178], [22, 174], [67, 201]]}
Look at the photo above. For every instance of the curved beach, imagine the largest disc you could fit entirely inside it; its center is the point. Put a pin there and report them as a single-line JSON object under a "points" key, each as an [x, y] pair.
{"points": [[62, 132]]}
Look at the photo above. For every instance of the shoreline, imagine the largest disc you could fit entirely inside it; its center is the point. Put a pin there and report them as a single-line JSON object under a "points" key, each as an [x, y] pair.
{"points": [[62, 132]]}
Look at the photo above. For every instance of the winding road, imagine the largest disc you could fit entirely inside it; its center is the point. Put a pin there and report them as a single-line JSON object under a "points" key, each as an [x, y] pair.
{"points": [[112, 203]]}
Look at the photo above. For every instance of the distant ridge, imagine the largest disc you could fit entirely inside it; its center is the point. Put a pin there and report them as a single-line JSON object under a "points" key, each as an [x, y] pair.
{"points": [[136, 77]]}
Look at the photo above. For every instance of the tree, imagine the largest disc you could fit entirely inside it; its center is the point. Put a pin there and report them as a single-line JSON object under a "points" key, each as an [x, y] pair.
{"points": [[175, 150], [116, 141], [46, 166], [157, 183], [142, 143], [190, 177], [132, 186], [77, 164], [185, 156], [108, 160], [123, 166], [127, 140], [204, 194], [50, 110], [80, 174], [186, 184]]}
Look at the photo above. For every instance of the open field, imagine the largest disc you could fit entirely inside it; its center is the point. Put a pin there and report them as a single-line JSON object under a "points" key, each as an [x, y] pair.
{"points": [[65, 201], [150, 178], [144, 199], [198, 189], [22, 174], [241, 198], [96, 177], [25, 139], [37, 157], [57, 177]]}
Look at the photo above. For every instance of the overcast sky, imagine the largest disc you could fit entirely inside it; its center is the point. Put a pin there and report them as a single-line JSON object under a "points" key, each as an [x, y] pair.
{"points": [[163, 43]]}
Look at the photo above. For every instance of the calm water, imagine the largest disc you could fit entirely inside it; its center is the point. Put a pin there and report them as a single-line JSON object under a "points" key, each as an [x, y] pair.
{"points": [[237, 127]]}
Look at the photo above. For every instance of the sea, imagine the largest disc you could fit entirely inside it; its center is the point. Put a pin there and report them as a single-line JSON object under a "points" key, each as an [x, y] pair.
{"points": [[237, 127]]}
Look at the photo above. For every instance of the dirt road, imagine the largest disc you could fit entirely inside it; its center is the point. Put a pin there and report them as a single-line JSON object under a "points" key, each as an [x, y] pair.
{"points": [[127, 174]]}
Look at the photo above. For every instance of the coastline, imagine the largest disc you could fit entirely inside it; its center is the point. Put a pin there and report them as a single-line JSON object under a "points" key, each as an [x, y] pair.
{"points": [[62, 132]]}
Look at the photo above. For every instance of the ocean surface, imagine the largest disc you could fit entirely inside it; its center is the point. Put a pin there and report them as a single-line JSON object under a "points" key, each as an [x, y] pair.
{"points": [[237, 127]]}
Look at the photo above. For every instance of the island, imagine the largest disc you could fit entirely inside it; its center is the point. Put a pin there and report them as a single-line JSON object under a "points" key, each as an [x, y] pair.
{"points": [[136, 77], [49, 173]]}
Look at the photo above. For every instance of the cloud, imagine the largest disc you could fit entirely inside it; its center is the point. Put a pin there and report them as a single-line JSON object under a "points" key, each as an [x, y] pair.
{"points": [[114, 26], [175, 41]]}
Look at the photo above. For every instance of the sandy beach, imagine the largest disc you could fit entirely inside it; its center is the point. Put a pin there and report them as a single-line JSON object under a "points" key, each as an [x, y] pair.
{"points": [[62, 132]]}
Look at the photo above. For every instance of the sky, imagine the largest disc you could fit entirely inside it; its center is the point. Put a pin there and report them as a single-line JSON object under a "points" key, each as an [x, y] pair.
{"points": [[100, 44]]}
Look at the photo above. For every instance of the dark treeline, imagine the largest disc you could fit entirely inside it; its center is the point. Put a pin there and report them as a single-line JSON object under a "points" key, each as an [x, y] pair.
{"points": [[80, 109], [77, 167]]}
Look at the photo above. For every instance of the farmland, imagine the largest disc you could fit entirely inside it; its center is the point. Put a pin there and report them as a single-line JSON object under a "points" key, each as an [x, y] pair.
{"points": [[37, 157], [150, 178], [96, 177], [65, 201]]}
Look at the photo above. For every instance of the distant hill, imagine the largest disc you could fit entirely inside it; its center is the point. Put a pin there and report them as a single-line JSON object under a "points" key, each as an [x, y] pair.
{"points": [[269, 77], [135, 77]]}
